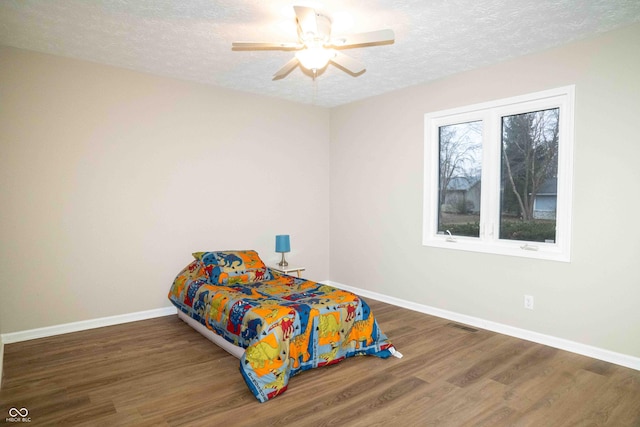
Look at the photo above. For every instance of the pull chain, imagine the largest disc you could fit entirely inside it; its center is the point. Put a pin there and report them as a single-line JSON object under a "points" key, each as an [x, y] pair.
{"points": [[314, 97]]}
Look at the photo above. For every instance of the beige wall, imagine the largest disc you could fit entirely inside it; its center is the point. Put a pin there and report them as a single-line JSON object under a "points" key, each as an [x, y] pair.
{"points": [[111, 178], [376, 200]]}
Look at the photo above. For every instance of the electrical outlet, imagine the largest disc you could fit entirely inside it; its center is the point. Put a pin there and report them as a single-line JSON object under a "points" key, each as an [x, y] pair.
{"points": [[528, 302]]}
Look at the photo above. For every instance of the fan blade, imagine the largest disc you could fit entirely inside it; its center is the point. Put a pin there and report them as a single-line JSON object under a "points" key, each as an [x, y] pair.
{"points": [[267, 45], [306, 19], [348, 63], [371, 37], [286, 69]]}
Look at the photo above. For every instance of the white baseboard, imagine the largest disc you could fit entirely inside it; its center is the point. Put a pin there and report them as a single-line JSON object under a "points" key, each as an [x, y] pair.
{"points": [[563, 344], [83, 325]]}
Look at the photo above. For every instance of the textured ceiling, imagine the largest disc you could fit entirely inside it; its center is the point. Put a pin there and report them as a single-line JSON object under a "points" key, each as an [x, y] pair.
{"points": [[191, 39]]}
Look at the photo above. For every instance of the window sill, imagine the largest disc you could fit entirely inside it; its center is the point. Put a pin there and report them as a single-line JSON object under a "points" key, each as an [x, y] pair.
{"points": [[533, 250]]}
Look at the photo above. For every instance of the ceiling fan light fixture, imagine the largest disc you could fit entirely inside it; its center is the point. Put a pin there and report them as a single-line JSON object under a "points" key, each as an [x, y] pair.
{"points": [[314, 57], [315, 45]]}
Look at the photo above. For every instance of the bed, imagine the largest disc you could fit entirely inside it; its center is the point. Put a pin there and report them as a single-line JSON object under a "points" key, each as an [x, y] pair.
{"points": [[277, 325]]}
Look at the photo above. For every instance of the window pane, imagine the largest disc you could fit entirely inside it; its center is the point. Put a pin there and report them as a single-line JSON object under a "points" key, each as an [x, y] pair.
{"points": [[459, 181], [529, 176]]}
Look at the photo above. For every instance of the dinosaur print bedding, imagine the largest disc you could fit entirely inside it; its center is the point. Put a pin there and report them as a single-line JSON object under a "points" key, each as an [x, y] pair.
{"points": [[285, 324]]}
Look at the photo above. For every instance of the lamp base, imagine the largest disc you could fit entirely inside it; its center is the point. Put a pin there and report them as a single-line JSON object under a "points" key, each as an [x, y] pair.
{"points": [[284, 262]]}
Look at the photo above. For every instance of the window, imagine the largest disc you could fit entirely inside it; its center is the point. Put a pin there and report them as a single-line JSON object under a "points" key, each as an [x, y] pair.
{"points": [[498, 176]]}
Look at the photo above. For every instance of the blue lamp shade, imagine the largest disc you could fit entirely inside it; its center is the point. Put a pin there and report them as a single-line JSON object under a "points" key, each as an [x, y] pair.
{"points": [[282, 243]]}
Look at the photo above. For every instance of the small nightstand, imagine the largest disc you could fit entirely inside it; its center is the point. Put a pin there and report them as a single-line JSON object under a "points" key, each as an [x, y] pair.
{"points": [[287, 269]]}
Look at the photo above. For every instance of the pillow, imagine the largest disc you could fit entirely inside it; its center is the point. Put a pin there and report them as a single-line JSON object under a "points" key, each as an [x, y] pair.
{"points": [[233, 267]]}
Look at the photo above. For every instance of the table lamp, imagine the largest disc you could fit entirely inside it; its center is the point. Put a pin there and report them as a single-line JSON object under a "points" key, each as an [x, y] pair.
{"points": [[283, 245]]}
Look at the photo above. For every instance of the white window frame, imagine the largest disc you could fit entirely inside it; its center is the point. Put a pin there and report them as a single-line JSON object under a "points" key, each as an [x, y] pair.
{"points": [[491, 114]]}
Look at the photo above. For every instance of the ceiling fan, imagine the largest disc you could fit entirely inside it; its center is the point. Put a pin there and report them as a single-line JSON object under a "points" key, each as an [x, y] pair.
{"points": [[315, 46]]}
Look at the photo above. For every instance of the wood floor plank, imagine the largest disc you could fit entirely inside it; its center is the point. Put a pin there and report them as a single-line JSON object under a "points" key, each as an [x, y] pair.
{"points": [[527, 366], [160, 372], [490, 362]]}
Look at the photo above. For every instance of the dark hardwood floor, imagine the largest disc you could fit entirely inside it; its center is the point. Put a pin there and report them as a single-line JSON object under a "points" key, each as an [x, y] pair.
{"points": [[160, 372]]}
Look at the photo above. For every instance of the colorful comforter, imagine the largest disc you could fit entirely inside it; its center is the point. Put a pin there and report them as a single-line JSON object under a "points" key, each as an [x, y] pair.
{"points": [[286, 324]]}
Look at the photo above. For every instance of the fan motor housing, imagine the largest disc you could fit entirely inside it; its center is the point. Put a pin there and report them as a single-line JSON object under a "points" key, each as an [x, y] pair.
{"points": [[322, 33]]}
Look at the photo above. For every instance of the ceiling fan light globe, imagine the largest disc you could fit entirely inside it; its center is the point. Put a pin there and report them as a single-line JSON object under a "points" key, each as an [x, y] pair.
{"points": [[314, 58]]}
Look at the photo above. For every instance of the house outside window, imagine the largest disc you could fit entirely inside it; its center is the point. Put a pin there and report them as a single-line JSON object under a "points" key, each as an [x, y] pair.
{"points": [[498, 176]]}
